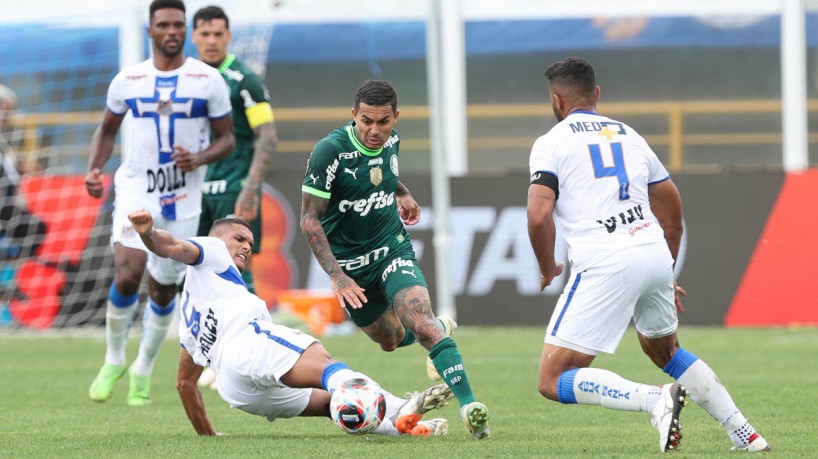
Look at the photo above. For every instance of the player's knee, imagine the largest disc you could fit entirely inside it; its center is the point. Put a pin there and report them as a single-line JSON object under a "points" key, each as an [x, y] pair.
{"points": [[126, 285], [389, 345], [548, 390]]}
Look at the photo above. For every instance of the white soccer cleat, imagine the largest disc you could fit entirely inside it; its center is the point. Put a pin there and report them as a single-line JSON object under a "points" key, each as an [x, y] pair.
{"points": [[448, 328], [418, 404], [665, 416], [430, 428], [757, 444]]}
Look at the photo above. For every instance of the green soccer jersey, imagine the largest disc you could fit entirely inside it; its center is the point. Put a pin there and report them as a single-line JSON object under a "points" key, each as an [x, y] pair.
{"points": [[361, 221], [251, 108]]}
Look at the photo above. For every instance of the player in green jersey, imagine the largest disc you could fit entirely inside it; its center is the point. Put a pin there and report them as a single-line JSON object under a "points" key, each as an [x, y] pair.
{"points": [[351, 212], [233, 185]]}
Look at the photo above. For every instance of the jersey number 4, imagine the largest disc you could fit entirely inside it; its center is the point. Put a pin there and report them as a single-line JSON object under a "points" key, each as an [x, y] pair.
{"points": [[617, 170]]}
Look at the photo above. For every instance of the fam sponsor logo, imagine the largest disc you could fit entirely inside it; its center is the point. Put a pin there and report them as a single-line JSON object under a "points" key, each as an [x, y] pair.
{"points": [[234, 75], [375, 201], [214, 187], [364, 260]]}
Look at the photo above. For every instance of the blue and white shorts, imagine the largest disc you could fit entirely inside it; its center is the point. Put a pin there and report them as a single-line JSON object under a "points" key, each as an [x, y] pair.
{"points": [[251, 365], [597, 304]]}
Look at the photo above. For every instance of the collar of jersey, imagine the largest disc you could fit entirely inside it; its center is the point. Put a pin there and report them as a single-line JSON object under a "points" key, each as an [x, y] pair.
{"points": [[584, 112], [358, 145], [227, 62]]}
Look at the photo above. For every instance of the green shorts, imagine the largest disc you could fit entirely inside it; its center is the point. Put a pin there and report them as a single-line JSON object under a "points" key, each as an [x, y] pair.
{"points": [[216, 206], [382, 282]]}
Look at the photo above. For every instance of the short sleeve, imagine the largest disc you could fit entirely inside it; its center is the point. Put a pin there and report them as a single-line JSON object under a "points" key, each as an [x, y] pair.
{"points": [[543, 157], [115, 101], [321, 169], [218, 103], [656, 170], [213, 256]]}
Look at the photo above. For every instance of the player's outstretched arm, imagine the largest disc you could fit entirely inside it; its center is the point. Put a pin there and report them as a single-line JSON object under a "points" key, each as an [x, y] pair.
{"points": [[102, 146], [542, 231], [347, 291], [408, 208], [162, 242], [186, 384]]}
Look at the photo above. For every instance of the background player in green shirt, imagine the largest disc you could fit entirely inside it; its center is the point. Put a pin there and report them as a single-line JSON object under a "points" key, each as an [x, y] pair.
{"points": [[351, 212], [233, 185]]}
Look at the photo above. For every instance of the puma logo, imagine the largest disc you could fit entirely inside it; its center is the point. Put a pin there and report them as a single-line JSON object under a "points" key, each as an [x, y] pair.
{"points": [[412, 273], [314, 178], [351, 172]]}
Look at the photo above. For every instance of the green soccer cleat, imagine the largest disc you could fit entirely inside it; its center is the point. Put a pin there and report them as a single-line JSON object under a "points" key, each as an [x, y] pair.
{"points": [[103, 385], [139, 392], [448, 328], [476, 417]]}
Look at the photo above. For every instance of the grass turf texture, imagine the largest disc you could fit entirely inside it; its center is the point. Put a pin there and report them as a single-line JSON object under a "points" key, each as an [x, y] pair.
{"points": [[45, 410]]}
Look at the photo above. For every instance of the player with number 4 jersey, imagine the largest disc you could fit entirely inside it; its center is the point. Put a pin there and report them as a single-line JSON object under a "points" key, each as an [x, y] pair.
{"points": [[622, 219], [585, 153]]}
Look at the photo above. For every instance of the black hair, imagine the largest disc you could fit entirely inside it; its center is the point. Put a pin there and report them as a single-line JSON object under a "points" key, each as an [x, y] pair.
{"points": [[574, 72], [210, 13], [377, 93], [230, 220], [160, 4]]}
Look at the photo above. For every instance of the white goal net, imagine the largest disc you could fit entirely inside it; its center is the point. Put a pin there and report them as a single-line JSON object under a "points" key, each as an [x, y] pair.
{"points": [[56, 264]]}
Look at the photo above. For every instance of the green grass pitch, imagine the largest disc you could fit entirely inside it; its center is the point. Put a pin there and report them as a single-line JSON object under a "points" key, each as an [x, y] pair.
{"points": [[45, 411]]}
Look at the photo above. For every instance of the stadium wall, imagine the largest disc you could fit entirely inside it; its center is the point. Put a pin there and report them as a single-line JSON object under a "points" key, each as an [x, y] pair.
{"points": [[746, 258]]}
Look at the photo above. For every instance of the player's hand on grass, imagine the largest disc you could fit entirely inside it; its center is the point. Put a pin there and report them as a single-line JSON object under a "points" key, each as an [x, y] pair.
{"points": [[347, 291], [185, 160], [142, 221], [547, 278], [678, 293], [93, 182]]}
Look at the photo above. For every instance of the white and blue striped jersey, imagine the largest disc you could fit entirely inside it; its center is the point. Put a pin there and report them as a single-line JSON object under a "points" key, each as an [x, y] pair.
{"points": [[168, 108], [603, 168], [216, 304]]}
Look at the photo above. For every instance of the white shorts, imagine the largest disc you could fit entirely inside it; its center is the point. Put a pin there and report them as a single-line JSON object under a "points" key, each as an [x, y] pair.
{"points": [[597, 304], [251, 365], [163, 270]]}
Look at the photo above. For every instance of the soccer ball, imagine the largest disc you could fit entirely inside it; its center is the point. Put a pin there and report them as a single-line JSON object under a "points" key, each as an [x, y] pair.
{"points": [[358, 406]]}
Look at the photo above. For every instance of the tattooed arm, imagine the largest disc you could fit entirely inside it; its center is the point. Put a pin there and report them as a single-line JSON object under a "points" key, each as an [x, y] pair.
{"points": [[347, 291]]}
